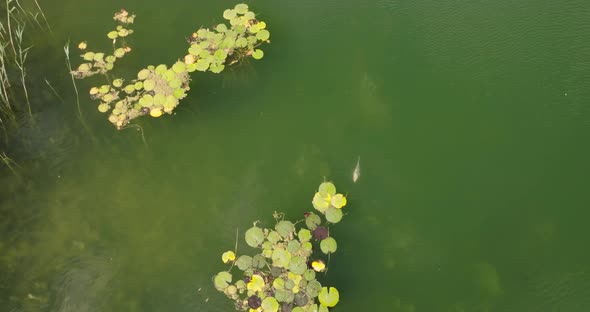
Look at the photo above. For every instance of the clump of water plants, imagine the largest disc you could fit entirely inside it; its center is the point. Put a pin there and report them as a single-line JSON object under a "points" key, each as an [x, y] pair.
{"points": [[282, 273], [158, 89]]}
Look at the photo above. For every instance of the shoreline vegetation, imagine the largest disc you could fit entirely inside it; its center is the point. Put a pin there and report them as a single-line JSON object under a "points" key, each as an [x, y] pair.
{"points": [[16, 107]]}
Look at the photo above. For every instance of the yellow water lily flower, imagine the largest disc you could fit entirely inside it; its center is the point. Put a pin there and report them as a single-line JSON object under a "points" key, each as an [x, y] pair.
{"points": [[318, 265]]}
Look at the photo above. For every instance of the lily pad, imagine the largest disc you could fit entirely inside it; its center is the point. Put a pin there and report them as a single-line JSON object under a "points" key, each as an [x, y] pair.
{"points": [[113, 35], [329, 297], [328, 245], [143, 74], [304, 235], [321, 201], [338, 201], [327, 187], [309, 275], [146, 100], [312, 221], [333, 215], [160, 99], [222, 280], [281, 258], [256, 283], [258, 54], [313, 288], [202, 65], [285, 228], [244, 262], [270, 304], [293, 246], [103, 108], [229, 14], [178, 67], [221, 28], [274, 237], [241, 8], [149, 84], [297, 265], [278, 284], [254, 236], [263, 35], [259, 261]]}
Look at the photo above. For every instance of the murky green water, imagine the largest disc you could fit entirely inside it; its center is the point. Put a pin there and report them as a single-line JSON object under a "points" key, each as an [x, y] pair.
{"points": [[471, 119]]}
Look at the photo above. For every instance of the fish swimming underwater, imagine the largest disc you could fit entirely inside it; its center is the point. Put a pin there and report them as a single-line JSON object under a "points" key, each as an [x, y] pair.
{"points": [[357, 170]]}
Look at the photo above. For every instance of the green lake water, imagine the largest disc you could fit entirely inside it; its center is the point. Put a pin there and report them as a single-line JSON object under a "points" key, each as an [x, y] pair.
{"points": [[471, 120]]}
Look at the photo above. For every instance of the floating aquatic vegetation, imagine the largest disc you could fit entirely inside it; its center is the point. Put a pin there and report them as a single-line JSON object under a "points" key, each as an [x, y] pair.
{"points": [[282, 274], [158, 89]]}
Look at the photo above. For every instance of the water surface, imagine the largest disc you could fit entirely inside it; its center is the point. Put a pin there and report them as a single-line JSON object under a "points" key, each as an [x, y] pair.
{"points": [[471, 119]]}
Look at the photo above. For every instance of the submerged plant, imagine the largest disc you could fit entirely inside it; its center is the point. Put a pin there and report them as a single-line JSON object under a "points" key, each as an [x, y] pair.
{"points": [[282, 274], [157, 89]]}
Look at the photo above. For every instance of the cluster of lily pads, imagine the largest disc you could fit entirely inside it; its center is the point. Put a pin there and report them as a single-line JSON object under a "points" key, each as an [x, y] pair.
{"points": [[282, 274], [158, 89]]}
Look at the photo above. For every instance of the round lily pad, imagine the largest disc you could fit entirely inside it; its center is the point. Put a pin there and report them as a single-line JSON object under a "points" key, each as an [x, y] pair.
{"points": [[149, 84], [329, 296], [179, 93], [179, 67], [258, 261], [222, 280], [244, 262], [297, 265], [313, 288], [159, 99], [98, 57], [321, 201], [241, 8], [333, 215], [256, 283], [103, 108], [274, 237], [327, 187], [338, 201], [304, 235], [309, 275], [285, 228], [281, 258], [254, 302], [88, 56], [257, 54], [320, 233], [293, 246], [229, 14], [312, 221], [143, 74], [161, 69], [328, 245], [263, 35], [216, 67], [110, 59], [120, 52], [254, 236], [202, 65]]}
